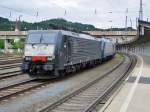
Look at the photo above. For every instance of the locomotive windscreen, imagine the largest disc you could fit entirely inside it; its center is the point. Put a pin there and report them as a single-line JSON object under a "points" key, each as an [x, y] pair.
{"points": [[45, 38], [40, 44]]}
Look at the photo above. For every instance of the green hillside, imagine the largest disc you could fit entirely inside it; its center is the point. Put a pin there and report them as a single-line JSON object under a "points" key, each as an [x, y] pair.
{"points": [[6, 25]]}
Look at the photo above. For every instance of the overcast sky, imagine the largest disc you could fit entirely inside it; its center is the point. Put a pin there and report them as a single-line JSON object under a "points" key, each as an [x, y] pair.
{"points": [[96, 12]]}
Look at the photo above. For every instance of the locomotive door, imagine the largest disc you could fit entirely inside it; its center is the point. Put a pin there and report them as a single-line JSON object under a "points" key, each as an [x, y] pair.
{"points": [[67, 49]]}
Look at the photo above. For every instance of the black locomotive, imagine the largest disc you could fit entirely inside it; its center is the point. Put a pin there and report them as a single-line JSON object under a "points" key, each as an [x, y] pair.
{"points": [[54, 53]]}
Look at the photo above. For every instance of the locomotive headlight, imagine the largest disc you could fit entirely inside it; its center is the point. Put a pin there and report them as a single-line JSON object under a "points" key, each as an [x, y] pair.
{"points": [[28, 58], [50, 58]]}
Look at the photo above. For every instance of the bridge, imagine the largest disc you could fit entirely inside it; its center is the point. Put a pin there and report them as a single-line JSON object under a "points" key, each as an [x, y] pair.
{"points": [[116, 36], [144, 24], [112, 33], [143, 32], [9, 35], [12, 34], [22, 34]]}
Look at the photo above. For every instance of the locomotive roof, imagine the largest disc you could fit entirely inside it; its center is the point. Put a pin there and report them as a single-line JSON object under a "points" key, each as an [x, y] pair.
{"points": [[69, 33]]}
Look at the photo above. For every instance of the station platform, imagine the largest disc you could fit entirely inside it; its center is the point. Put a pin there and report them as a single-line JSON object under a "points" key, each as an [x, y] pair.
{"points": [[134, 93]]}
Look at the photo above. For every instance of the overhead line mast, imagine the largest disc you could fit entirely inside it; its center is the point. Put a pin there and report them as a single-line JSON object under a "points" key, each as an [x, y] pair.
{"points": [[141, 10]]}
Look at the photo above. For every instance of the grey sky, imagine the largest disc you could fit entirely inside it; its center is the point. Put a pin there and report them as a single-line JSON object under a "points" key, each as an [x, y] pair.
{"points": [[77, 10]]}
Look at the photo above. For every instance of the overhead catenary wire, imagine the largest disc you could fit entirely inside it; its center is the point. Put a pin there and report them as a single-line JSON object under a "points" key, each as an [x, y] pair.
{"points": [[18, 11], [97, 12]]}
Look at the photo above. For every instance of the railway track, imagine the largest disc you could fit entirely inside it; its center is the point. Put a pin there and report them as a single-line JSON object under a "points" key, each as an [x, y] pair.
{"points": [[4, 62], [9, 58], [90, 95], [20, 88], [10, 74], [9, 66]]}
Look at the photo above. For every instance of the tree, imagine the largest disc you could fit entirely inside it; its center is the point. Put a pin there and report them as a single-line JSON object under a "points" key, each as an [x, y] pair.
{"points": [[1, 44]]}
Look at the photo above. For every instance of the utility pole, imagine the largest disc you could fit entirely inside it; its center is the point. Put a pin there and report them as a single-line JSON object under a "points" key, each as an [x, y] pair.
{"points": [[136, 22], [10, 21], [141, 10], [19, 22], [37, 14], [126, 23], [65, 17], [131, 22], [17, 26], [141, 29]]}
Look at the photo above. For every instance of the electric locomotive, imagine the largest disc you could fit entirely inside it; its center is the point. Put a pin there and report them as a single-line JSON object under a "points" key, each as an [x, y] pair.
{"points": [[54, 53]]}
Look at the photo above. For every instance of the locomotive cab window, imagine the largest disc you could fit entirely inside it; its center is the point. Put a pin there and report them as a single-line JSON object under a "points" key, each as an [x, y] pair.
{"points": [[46, 38]]}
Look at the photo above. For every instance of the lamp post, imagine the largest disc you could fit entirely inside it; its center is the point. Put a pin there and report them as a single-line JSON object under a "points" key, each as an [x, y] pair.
{"points": [[111, 29], [111, 21], [131, 22], [126, 24], [110, 24], [110, 12], [20, 21], [10, 21], [37, 15]]}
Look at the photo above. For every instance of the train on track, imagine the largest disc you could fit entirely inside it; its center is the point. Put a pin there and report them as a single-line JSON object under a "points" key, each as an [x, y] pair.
{"points": [[54, 53]]}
